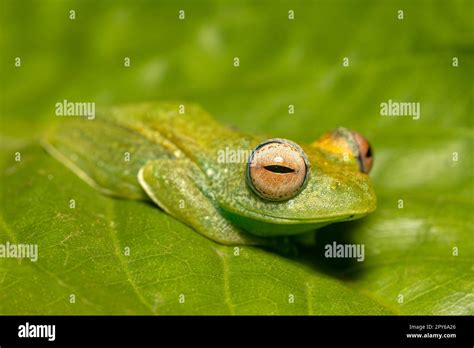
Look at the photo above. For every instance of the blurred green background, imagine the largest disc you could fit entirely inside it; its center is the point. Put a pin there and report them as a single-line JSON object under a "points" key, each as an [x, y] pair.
{"points": [[284, 62]]}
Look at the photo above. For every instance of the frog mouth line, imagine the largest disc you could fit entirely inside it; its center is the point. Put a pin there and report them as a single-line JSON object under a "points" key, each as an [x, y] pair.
{"points": [[278, 219], [334, 218]]}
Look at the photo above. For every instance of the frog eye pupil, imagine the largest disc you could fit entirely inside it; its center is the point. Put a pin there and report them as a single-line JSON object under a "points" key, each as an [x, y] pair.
{"points": [[369, 152], [279, 169]]}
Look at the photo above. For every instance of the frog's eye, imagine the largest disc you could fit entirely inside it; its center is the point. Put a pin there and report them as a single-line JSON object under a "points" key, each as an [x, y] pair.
{"points": [[277, 169], [365, 156], [343, 141]]}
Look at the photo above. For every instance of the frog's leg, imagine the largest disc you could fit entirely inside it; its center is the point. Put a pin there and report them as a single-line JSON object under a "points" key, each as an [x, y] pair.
{"points": [[177, 186]]}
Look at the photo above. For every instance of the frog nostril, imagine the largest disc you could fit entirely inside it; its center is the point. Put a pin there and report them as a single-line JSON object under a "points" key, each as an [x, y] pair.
{"points": [[279, 169]]}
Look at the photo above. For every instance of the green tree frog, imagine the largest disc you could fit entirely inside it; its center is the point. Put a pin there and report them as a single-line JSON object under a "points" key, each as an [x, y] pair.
{"points": [[233, 188]]}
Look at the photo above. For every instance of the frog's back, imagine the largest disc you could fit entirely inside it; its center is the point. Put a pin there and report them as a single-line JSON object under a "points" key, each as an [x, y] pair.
{"points": [[187, 126], [108, 151]]}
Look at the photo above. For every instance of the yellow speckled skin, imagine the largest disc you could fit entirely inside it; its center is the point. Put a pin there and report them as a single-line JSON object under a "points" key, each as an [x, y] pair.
{"points": [[175, 159]]}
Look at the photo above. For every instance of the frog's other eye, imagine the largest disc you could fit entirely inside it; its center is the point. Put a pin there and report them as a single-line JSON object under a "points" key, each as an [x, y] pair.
{"points": [[343, 141], [365, 156], [277, 170]]}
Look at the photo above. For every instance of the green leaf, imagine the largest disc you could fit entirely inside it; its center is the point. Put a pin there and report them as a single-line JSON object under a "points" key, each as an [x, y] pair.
{"points": [[409, 250]]}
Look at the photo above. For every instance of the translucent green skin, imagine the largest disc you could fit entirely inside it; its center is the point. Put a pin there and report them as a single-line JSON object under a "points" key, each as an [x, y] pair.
{"points": [[176, 160]]}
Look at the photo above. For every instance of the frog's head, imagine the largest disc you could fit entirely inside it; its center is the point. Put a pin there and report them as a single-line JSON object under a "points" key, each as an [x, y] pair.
{"points": [[287, 189]]}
